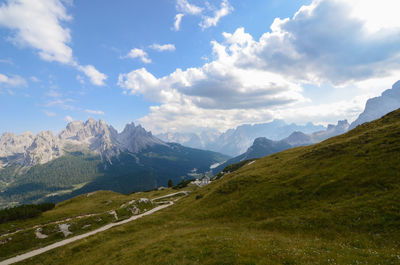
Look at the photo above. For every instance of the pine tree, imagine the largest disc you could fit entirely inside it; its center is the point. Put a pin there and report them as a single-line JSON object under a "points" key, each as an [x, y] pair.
{"points": [[170, 183]]}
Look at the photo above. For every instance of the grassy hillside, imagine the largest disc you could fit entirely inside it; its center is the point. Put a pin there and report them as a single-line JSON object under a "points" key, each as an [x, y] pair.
{"points": [[83, 213], [337, 202]]}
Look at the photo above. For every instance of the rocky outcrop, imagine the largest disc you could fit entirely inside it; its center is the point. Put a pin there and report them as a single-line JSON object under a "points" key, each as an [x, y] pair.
{"points": [[135, 138], [91, 136], [379, 106], [44, 148], [12, 144]]}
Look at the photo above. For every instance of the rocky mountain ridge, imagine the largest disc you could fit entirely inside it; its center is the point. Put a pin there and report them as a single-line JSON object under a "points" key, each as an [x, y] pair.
{"points": [[263, 146], [236, 141], [93, 136], [379, 106]]}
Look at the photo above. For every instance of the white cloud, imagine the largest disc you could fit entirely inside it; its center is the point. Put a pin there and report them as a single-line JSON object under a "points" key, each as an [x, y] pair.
{"points": [[95, 112], [68, 118], [303, 49], [210, 16], [50, 113], [216, 85], [324, 44], [376, 15], [164, 47], [212, 21], [12, 81], [37, 24], [97, 78], [140, 54], [185, 7], [178, 20], [186, 117]]}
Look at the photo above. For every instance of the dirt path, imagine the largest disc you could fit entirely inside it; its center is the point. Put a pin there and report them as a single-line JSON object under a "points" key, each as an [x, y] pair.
{"points": [[87, 215], [79, 237], [171, 195], [52, 223]]}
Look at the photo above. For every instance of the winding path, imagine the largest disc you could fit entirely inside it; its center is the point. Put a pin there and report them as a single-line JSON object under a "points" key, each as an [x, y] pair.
{"points": [[79, 237]]}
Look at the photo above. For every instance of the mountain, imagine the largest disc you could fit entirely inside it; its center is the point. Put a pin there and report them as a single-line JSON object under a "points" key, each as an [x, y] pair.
{"points": [[202, 140], [262, 146], [236, 141], [379, 106], [88, 156], [336, 202]]}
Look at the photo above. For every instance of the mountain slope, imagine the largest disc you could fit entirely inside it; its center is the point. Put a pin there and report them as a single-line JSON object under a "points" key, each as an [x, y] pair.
{"points": [[379, 106], [263, 146], [336, 202], [89, 156], [236, 141]]}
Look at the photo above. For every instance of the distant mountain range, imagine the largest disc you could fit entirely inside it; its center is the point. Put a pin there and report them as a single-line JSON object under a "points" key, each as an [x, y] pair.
{"points": [[270, 142], [91, 155], [88, 156], [263, 146], [236, 141]]}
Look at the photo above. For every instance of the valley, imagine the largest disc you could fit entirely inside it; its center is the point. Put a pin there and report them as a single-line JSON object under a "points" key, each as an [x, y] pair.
{"points": [[329, 203]]}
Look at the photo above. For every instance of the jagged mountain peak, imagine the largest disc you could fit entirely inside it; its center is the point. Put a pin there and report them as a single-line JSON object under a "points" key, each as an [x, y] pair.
{"points": [[379, 106], [91, 135], [12, 144]]}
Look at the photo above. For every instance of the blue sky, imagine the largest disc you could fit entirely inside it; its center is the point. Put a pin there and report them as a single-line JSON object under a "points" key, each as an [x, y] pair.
{"points": [[187, 65]]}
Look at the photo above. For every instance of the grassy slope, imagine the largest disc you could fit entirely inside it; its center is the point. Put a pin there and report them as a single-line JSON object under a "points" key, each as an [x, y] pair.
{"points": [[98, 203], [337, 202]]}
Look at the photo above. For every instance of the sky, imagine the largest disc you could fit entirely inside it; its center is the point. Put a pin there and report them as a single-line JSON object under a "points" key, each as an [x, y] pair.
{"points": [[192, 65]]}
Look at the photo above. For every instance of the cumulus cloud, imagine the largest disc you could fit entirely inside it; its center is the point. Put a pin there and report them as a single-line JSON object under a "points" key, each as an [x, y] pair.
{"points": [[210, 21], [215, 85], [97, 78], [140, 54], [38, 24], [94, 112], [164, 47], [314, 47], [12, 81], [178, 20], [330, 44]]}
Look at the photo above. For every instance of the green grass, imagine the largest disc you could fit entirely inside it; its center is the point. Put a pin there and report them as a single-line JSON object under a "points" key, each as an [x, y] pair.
{"points": [[337, 202], [99, 203]]}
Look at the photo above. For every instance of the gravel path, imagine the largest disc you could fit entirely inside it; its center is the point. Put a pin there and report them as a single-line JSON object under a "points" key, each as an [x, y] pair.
{"points": [[79, 237]]}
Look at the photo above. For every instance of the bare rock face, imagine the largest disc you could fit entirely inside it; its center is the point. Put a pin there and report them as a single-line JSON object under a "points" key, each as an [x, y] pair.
{"points": [[91, 136], [380, 106], [135, 138], [45, 147], [11, 144], [94, 136], [331, 131]]}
